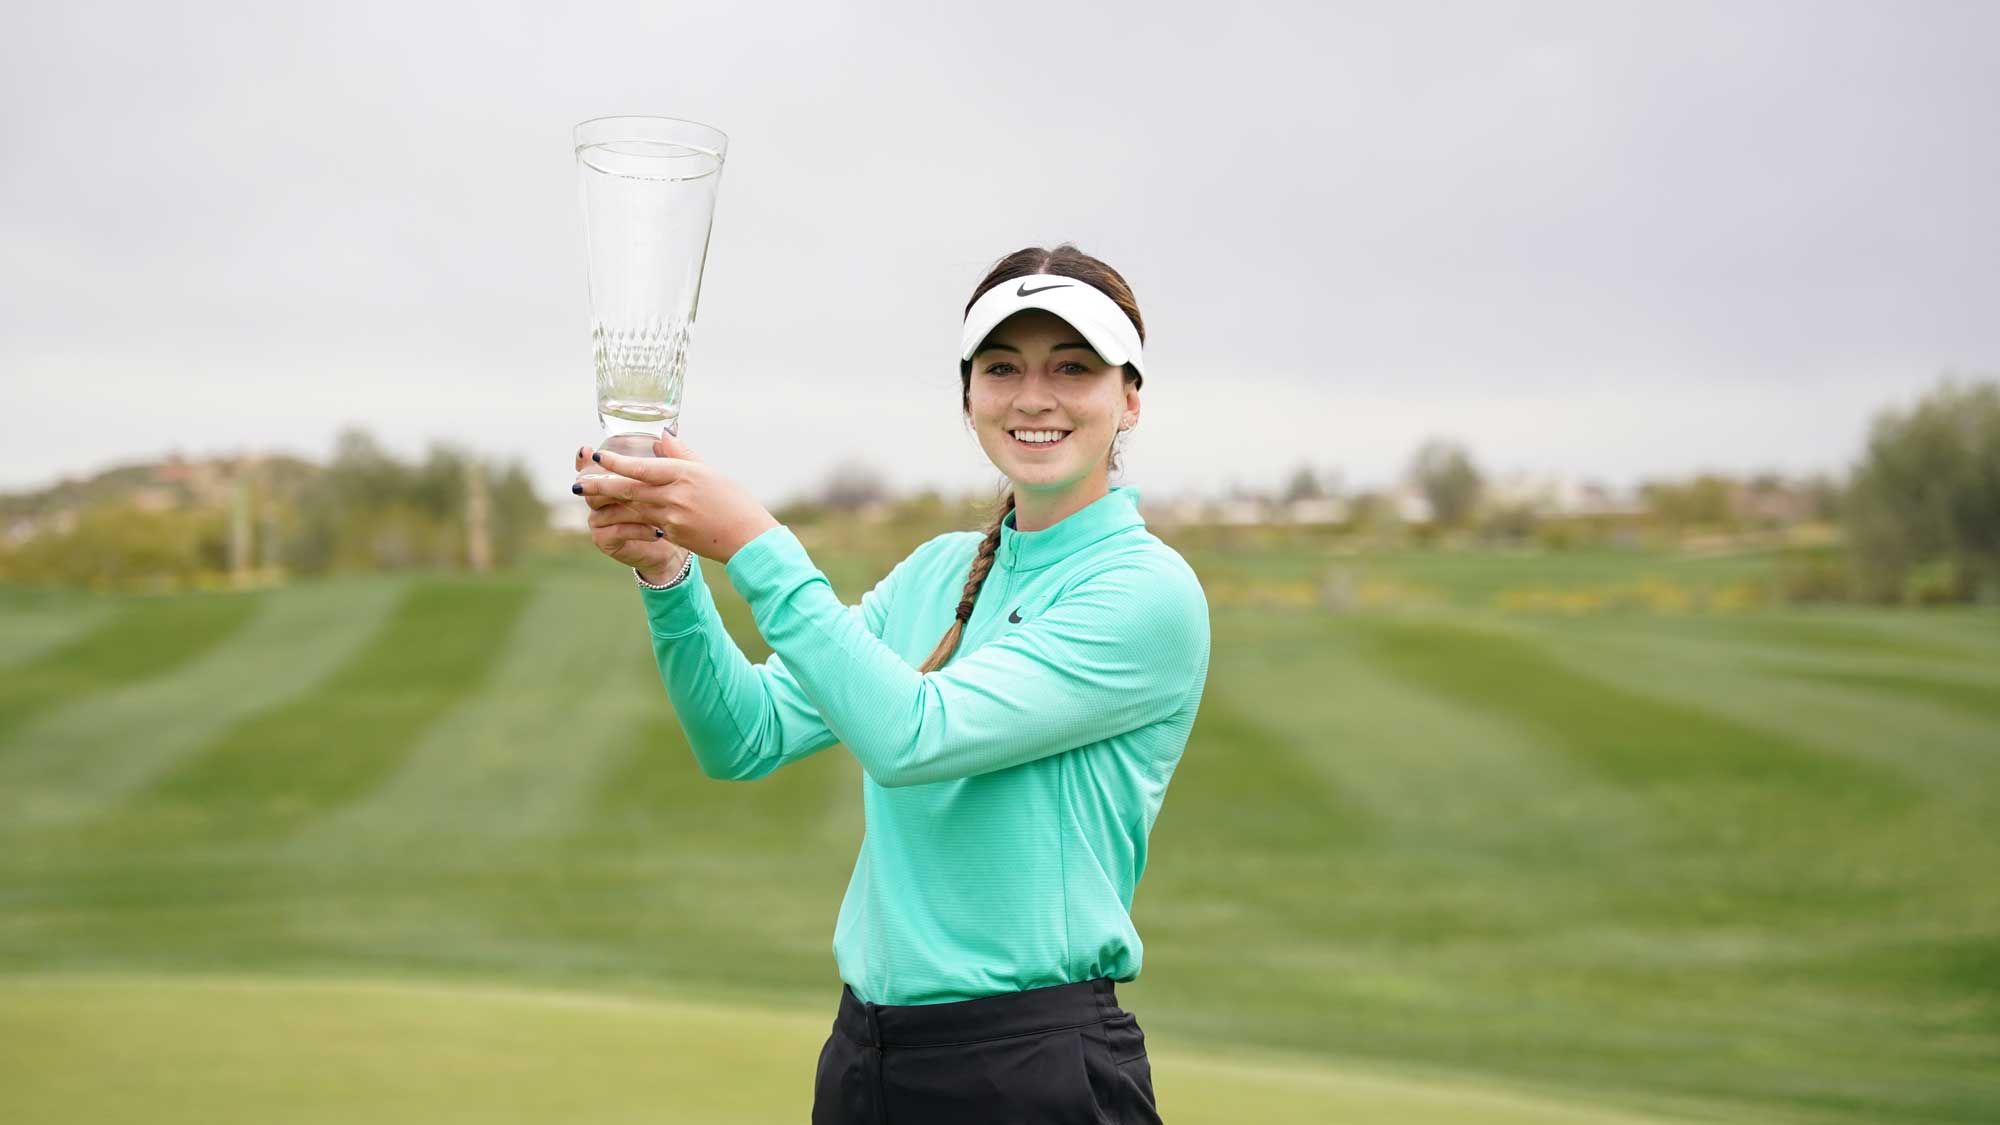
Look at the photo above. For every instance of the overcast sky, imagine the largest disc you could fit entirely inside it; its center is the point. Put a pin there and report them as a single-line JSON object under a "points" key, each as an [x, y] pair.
{"points": [[1612, 239]]}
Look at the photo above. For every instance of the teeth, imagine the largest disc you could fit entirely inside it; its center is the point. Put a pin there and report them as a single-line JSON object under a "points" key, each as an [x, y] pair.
{"points": [[1041, 436]]}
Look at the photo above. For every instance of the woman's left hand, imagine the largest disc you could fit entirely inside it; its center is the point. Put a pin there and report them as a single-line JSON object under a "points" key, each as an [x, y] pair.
{"points": [[692, 501]]}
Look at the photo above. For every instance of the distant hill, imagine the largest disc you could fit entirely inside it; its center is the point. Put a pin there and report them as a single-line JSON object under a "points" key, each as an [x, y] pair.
{"points": [[183, 523], [175, 483]]}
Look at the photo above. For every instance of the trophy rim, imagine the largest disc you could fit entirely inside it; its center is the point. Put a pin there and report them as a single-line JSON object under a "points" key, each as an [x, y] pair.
{"points": [[721, 149]]}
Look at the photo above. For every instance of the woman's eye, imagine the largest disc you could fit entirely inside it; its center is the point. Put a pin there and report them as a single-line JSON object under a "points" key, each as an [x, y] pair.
{"points": [[1080, 369], [996, 369]]}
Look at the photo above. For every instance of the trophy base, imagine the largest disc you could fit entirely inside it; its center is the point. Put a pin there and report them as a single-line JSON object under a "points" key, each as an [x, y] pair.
{"points": [[629, 445]]}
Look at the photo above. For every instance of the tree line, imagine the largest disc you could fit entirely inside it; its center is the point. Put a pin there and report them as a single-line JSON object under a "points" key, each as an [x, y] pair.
{"points": [[1920, 508], [223, 522], [1918, 515]]}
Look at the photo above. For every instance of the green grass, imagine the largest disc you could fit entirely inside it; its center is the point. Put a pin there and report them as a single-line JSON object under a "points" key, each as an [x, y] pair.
{"points": [[289, 766], [193, 1049], [141, 638], [1437, 863], [1475, 578]]}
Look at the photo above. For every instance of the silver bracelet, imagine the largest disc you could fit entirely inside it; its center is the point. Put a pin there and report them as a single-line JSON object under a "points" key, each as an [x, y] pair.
{"points": [[687, 567]]}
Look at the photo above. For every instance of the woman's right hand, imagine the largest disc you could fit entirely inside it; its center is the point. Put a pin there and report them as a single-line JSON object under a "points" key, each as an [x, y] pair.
{"points": [[618, 532]]}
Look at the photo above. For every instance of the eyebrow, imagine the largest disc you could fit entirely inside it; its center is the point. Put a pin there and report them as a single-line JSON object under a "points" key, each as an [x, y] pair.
{"points": [[1017, 351]]}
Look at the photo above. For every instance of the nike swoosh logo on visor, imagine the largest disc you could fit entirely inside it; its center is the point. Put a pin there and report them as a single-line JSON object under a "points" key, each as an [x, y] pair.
{"points": [[1022, 290]]}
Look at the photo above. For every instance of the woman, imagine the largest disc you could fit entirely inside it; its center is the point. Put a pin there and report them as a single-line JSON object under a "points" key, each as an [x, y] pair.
{"points": [[1017, 699]]}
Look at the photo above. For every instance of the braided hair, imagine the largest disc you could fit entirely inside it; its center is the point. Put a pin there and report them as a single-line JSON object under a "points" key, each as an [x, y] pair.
{"points": [[1064, 261]]}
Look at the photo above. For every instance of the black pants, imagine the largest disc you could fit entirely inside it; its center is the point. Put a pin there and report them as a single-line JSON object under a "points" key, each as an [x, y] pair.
{"points": [[1067, 1053]]}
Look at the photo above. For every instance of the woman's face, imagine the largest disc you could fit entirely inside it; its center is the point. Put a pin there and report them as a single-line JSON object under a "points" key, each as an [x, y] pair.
{"points": [[1034, 374]]}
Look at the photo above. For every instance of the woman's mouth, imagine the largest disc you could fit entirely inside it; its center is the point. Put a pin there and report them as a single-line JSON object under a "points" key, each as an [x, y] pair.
{"points": [[1038, 439]]}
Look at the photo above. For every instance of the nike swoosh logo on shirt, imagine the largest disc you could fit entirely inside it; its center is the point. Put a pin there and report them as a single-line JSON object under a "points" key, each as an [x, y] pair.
{"points": [[1022, 290], [1015, 616]]}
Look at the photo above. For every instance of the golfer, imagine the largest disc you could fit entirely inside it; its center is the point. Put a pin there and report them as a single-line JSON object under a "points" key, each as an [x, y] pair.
{"points": [[1017, 699]]}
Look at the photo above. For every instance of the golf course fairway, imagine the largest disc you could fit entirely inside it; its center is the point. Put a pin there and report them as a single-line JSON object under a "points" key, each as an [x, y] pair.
{"points": [[429, 848]]}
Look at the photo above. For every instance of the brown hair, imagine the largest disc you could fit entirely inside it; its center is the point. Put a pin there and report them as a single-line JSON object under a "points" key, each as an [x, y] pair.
{"points": [[1063, 261]]}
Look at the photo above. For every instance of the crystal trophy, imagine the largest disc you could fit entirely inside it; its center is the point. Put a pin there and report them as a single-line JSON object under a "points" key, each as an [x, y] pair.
{"points": [[647, 185]]}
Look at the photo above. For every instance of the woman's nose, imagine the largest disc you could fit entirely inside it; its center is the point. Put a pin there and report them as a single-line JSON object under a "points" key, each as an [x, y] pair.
{"points": [[1034, 389]]}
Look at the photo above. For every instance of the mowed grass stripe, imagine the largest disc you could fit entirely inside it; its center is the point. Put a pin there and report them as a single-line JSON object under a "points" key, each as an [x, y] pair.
{"points": [[1242, 780], [142, 637], [70, 764], [1974, 628], [1248, 830], [519, 758], [29, 628], [1821, 634], [1436, 772], [1976, 700], [1907, 661], [1396, 922], [1916, 656], [1948, 753], [1658, 747], [285, 768], [1717, 873]]}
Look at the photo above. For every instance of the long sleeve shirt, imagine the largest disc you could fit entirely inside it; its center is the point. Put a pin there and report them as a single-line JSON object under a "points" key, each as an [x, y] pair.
{"points": [[1008, 795]]}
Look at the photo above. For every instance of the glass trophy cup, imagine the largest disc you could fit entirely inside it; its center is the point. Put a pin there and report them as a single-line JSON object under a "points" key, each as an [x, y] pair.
{"points": [[647, 185]]}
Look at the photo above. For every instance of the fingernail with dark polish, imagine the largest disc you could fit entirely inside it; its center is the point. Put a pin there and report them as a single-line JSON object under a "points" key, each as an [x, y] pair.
{"points": [[658, 534], [596, 458], [576, 488]]}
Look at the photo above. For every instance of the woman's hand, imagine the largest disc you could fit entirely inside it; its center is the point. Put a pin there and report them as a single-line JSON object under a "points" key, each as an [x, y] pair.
{"points": [[675, 490], [624, 537]]}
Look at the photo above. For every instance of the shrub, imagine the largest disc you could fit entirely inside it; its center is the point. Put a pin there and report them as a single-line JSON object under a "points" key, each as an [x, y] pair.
{"points": [[1924, 507]]}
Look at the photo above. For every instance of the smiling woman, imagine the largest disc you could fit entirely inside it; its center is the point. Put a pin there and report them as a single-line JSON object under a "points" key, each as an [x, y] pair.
{"points": [[1034, 388], [1013, 768]]}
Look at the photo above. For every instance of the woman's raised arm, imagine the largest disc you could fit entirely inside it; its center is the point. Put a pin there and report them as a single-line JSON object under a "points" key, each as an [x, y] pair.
{"points": [[1122, 648], [742, 720]]}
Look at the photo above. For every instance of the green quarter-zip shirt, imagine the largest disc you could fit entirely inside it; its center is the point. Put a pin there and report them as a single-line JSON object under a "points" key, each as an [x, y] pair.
{"points": [[1008, 795]]}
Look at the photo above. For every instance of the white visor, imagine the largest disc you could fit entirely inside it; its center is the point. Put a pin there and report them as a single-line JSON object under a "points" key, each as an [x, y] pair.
{"points": [[1104, 325]]}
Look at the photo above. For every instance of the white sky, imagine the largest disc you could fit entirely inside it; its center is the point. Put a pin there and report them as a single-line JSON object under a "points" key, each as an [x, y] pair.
{"points": [[1609, 238]]}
